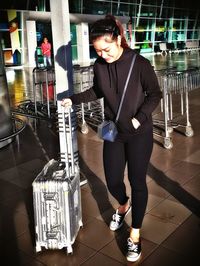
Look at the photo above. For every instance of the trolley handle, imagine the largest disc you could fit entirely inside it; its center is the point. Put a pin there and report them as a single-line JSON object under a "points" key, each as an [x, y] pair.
{"points": [[70, 170]]}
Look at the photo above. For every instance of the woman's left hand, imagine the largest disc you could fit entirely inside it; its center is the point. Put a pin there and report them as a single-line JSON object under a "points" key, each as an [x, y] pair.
{"points": [[135, 123]]}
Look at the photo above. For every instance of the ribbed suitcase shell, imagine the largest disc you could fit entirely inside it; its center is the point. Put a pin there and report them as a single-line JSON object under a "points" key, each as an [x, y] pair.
{"points": [[57, 196], [57, 208]]}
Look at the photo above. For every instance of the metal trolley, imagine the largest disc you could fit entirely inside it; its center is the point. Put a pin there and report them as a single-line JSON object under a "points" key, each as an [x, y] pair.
{"points": [[91, 113], [174, 82], [43, 88]]}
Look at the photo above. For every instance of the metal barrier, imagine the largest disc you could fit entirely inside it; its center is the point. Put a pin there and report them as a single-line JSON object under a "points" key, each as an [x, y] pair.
{"points": [[172, 82], [18, 125], [91, 113], [43, 88], [36, 110], [176, 82], [44, 105]]}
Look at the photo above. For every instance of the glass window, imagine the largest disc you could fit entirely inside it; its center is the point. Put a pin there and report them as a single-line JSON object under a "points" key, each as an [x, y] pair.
{"points": [[3, 17], [97, 7], [6, 39], [191, 24], [192, 14], [147, 2], [73, 33], [43, 30], [161, 25], [115, 9], [140, 36], [93, 53], [75, 6], [19, 20], [178, 24], [178, 36], [192, 35], [167, 13], [124, 10], [73, 41], [145, 24], [160, 36], [149, 11], [180, 13]]}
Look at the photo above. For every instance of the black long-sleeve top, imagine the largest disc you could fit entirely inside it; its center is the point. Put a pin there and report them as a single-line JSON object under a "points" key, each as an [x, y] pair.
{"points": [[142, 96]]}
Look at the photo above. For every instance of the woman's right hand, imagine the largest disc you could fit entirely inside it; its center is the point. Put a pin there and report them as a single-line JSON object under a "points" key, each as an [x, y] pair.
{"points": [[66, 102]]}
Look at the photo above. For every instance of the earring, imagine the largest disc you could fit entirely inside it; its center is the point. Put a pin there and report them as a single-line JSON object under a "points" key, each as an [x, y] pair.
{"points": [[119, 39]]}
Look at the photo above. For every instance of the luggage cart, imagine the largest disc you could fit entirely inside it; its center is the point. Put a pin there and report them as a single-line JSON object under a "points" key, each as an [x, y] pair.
{"points": [[91, 113], [43, 88], [176, 83]]}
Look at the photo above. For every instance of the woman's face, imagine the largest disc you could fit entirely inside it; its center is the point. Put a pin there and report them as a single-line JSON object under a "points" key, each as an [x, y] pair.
{"points": [[110, 50]]}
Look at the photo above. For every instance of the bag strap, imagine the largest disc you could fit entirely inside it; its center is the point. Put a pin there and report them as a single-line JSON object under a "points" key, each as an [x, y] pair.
{"points": [[125, 87]]}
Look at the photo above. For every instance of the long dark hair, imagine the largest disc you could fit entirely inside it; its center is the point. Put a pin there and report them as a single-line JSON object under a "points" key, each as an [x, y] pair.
{"points": [[108, 26]]}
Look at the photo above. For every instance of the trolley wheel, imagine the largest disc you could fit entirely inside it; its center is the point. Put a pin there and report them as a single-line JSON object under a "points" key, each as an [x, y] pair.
{"points": [[38, 248], [84, 128], [168, 143], [69, 250], [189, 131], [170, 129]]}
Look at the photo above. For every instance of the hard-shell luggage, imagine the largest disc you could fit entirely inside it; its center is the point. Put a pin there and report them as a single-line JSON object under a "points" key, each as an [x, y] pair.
{"points": [[57, 198]]}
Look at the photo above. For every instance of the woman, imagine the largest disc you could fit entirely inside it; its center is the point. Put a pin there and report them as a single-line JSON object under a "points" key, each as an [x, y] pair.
{"points": [[46, 51], [134, 142]]}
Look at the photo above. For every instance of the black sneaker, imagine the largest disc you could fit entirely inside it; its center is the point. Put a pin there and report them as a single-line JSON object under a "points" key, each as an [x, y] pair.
{"points": [[118, 219], [134, 250]]}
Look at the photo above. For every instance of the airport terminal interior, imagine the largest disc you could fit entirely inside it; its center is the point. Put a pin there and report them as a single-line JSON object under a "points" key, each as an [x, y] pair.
{"points": [[171, 228]]}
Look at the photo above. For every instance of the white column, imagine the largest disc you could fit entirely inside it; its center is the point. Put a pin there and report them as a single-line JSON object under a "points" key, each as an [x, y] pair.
{"points": [[60, 23], [62, 45], [83, 44], [171, 22], [31, 41]]}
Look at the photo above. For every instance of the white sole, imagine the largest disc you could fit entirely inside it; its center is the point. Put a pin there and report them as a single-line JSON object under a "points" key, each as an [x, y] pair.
{"points": [[117, 228], [133, 259]]}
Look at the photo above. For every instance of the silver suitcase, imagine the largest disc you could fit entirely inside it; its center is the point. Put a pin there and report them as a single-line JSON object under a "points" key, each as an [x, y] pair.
{"points": [[57, 198]]}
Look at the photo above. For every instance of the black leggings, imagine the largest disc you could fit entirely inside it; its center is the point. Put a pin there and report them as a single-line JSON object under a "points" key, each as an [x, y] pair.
{"points": [[136, 152]]}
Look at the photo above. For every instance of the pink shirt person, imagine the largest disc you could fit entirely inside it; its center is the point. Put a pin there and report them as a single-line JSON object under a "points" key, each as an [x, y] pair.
{"points": [[46, 51]]}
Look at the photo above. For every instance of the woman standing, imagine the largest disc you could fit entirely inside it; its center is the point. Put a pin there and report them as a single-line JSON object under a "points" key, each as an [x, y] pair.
{"points": [[134, 142], [46, 51]]}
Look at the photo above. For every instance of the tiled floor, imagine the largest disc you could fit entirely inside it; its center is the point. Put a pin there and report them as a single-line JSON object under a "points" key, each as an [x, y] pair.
{"points": [[171, 228]]}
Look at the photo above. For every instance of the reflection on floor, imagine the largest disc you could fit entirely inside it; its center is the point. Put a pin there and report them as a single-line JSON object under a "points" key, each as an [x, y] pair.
{"points": [[171, 229]]}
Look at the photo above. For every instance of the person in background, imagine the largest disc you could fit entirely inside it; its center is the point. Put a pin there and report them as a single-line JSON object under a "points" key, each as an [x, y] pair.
{"points": [[134, 143], [46, 51]]}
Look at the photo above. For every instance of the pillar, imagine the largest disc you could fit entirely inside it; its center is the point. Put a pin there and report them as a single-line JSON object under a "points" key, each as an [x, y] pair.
{"points": [[63, 64], [83, 45], [31, 41]]}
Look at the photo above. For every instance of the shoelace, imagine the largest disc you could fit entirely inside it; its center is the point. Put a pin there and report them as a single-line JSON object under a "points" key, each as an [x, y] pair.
{"points": [[116, 218], [132, 246]]}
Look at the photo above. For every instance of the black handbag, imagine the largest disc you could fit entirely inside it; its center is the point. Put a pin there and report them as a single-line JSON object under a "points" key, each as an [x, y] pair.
{"points": [[107, 130]]}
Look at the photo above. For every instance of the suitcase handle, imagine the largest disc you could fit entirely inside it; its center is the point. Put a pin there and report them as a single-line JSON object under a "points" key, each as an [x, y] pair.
{"points": [[66, 113]]}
